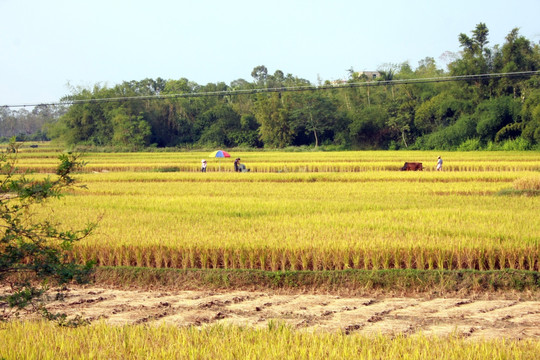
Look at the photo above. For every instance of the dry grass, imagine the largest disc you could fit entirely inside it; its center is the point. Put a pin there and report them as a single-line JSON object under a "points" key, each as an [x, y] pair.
{"points": [[528, 183]]}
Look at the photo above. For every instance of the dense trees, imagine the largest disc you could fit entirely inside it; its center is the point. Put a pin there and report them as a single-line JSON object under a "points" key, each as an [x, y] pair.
{"points": [[443, 115]]}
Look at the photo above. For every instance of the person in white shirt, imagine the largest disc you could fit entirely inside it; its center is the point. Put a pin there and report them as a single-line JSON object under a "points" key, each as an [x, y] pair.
{"points": [[439, 164]]}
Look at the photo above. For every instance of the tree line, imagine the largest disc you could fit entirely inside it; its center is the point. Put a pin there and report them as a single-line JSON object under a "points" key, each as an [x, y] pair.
{"points": [[28, 125], [469, 114]]}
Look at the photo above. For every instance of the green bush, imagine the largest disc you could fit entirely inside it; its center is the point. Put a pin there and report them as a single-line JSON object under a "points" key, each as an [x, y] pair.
{"points": [[470, 145]]}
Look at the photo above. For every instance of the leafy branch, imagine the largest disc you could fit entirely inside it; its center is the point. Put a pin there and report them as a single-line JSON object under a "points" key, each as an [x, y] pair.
{"points": [[35, 251]]}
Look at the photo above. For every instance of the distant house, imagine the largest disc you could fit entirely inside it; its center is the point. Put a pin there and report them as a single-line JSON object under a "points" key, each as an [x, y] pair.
{"points": [[337, 82], [371, 75]]}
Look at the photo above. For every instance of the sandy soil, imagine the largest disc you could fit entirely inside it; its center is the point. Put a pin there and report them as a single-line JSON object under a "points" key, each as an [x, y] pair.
{"points": [[474, 318]]}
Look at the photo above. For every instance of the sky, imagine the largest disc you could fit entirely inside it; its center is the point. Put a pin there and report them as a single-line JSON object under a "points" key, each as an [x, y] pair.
{"points": [[48, 48]]}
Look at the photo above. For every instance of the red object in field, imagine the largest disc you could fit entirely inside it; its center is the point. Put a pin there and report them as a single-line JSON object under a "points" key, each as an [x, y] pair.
{"points": [[412, 166]]}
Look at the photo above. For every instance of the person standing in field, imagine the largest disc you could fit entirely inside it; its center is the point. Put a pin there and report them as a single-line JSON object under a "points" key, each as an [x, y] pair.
{"points": [[237, 165], [203, 166], [439, 164]]}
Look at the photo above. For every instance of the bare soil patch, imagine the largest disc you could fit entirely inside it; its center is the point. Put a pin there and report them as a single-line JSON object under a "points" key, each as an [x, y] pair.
{"points": [[481, 317]]}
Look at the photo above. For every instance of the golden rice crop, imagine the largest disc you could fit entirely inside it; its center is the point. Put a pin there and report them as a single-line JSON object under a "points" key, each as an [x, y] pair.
{"points": [[276, 161], [41, 340], [374, 220]]}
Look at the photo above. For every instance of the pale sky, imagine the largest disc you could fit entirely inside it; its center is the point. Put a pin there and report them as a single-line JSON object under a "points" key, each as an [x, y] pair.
{"points": [[46, 44]]}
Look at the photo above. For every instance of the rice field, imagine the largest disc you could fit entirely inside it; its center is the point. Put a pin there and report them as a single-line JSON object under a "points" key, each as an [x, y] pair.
{"points": [[44, 159], [305, 211], [38, 340], [293, 211]]}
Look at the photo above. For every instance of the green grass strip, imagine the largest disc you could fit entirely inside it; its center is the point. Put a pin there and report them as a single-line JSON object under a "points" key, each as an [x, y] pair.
{"points": [[350, 281]]}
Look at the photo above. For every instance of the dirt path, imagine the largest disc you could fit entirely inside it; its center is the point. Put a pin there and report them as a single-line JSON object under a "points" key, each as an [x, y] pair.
{"points": [[470, 317]]}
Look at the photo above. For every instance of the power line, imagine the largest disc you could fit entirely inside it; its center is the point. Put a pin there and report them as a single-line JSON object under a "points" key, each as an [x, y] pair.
{"points": [[287, 89]]}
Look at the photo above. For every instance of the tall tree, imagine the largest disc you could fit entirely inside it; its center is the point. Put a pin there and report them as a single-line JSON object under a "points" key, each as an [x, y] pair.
{"points": [[275, 125], [316, 114], [476, 59], [517, 54], [260, 74], [400, 120]]}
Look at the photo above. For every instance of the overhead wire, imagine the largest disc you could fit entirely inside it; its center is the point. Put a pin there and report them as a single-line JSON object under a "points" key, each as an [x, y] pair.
{"points": [[327, 86]]}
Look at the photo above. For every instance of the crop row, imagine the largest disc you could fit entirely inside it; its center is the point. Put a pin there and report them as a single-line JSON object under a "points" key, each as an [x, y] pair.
{"points": [[40, 340], [281, 259], [279, 167], [330, 177]]}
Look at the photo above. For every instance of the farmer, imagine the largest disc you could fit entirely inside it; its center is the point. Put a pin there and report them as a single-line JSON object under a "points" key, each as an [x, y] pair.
{"points": [[439, 164], [203, 166], [237, 165]]}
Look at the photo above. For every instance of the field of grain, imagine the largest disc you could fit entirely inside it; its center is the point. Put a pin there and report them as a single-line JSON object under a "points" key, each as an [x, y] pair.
{"points": [[306, 221], [309, 211], [304, 210]]}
